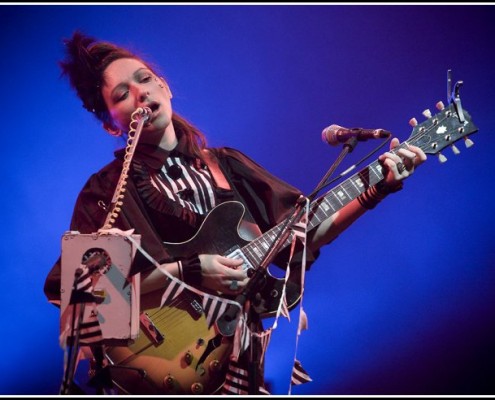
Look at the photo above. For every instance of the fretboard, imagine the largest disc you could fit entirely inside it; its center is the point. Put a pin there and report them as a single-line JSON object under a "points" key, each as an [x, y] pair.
{"points": [[320, 209]]}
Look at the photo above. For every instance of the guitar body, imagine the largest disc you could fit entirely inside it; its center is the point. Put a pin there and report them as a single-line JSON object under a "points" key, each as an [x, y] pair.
{"points": [[221, 233], [176, 352]]}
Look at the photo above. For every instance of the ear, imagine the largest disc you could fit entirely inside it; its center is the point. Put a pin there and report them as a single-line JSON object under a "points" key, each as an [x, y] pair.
{"points": [[111, 129], [167, 88]]}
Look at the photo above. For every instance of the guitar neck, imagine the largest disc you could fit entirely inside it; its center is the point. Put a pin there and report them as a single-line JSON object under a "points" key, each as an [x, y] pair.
{"points": [[320, 209], [433, 135]]}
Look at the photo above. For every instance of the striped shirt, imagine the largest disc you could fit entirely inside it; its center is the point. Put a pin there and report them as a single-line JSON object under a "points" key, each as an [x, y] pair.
{"points": [[185, 183]]}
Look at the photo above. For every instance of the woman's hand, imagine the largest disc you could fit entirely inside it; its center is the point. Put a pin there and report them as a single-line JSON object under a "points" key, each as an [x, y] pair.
{"points": [[401, 164], [222, 274]]}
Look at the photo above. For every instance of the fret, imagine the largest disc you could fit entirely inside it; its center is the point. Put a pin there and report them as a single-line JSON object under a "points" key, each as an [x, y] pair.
{"points": [[257, 252], [317, 218], [346, 192], [325, 205], [342, 195], [338, 198], [358, 183], [378, 172]]}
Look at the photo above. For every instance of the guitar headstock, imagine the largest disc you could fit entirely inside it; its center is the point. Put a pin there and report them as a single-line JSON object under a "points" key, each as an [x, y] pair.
{"points": [[442, 130]]}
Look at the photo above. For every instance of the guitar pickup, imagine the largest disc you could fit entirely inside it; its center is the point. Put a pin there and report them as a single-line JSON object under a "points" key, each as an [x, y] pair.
{"points": [[196, 307], [150, 329]]}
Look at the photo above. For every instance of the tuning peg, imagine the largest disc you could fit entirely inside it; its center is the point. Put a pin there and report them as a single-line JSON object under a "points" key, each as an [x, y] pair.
{"points": [[441, 158], [413, 122], [427, 113], [440, 106], [455, 150], [468, 142]]}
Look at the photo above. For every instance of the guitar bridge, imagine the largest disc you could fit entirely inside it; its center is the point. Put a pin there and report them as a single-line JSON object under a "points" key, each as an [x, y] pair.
{"points": [[150, 329]]}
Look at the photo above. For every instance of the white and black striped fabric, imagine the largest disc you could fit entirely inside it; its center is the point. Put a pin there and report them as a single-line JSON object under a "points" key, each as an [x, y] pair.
{"points": [[188, 185], [299, 375], [237, 383], [89, 330]]}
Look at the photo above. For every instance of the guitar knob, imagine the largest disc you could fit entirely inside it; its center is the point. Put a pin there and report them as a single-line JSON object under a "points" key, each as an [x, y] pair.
{"points": [[441, 158], [455, 150], [413, 122], [468, 142], [197, 388], [169, 381], [188, 357], [427, 113], [440, 106], [214, 366]]}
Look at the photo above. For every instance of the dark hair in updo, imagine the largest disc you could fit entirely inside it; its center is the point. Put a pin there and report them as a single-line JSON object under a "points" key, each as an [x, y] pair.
{"points": [[85, 62]]}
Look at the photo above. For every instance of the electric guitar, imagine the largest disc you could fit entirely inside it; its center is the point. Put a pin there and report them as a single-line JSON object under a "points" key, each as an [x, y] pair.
{"points": [[177, 351]]}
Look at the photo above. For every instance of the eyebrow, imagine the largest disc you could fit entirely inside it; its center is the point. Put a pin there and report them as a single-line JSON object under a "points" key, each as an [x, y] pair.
{"points": [[124, 84]]}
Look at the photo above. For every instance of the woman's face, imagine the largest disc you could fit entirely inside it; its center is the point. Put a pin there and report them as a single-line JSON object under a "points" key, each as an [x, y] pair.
{"points": [[128, 85]]}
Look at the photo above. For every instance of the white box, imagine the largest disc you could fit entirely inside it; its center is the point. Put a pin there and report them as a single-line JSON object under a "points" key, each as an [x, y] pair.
{"points": [[118, 312]]}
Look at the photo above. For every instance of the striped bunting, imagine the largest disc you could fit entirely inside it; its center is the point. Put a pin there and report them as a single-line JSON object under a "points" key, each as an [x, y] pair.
{"points": [[236, 381], [264, 339], [241, 337], [173, 288], [89, 330], [299, 230], [303, 321], [284, 309], [299, 375], [213, 307]]}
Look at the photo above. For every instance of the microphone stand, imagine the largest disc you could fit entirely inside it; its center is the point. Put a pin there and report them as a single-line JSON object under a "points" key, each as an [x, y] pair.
{"points": [[75, 298], [228, 320], [348, 147]]}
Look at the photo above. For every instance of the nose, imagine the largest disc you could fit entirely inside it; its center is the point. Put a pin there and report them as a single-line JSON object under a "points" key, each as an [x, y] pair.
{"points": [[143, 95]]}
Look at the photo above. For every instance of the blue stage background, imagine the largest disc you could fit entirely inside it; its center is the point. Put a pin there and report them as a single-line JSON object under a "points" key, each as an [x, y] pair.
{"points": [[402, 303]]}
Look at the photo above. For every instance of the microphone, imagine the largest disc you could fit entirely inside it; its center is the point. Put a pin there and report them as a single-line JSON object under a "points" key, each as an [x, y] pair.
{"points": [[335, 134], [145, 113]]}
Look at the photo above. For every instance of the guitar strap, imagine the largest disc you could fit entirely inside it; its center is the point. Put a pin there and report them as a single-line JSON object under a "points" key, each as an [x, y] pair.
{"points": [[218, 176], [249, 228]]}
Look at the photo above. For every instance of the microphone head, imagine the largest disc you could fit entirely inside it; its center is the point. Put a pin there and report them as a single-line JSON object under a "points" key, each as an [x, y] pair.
{"points": [[146, 113], [328, 134]]}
